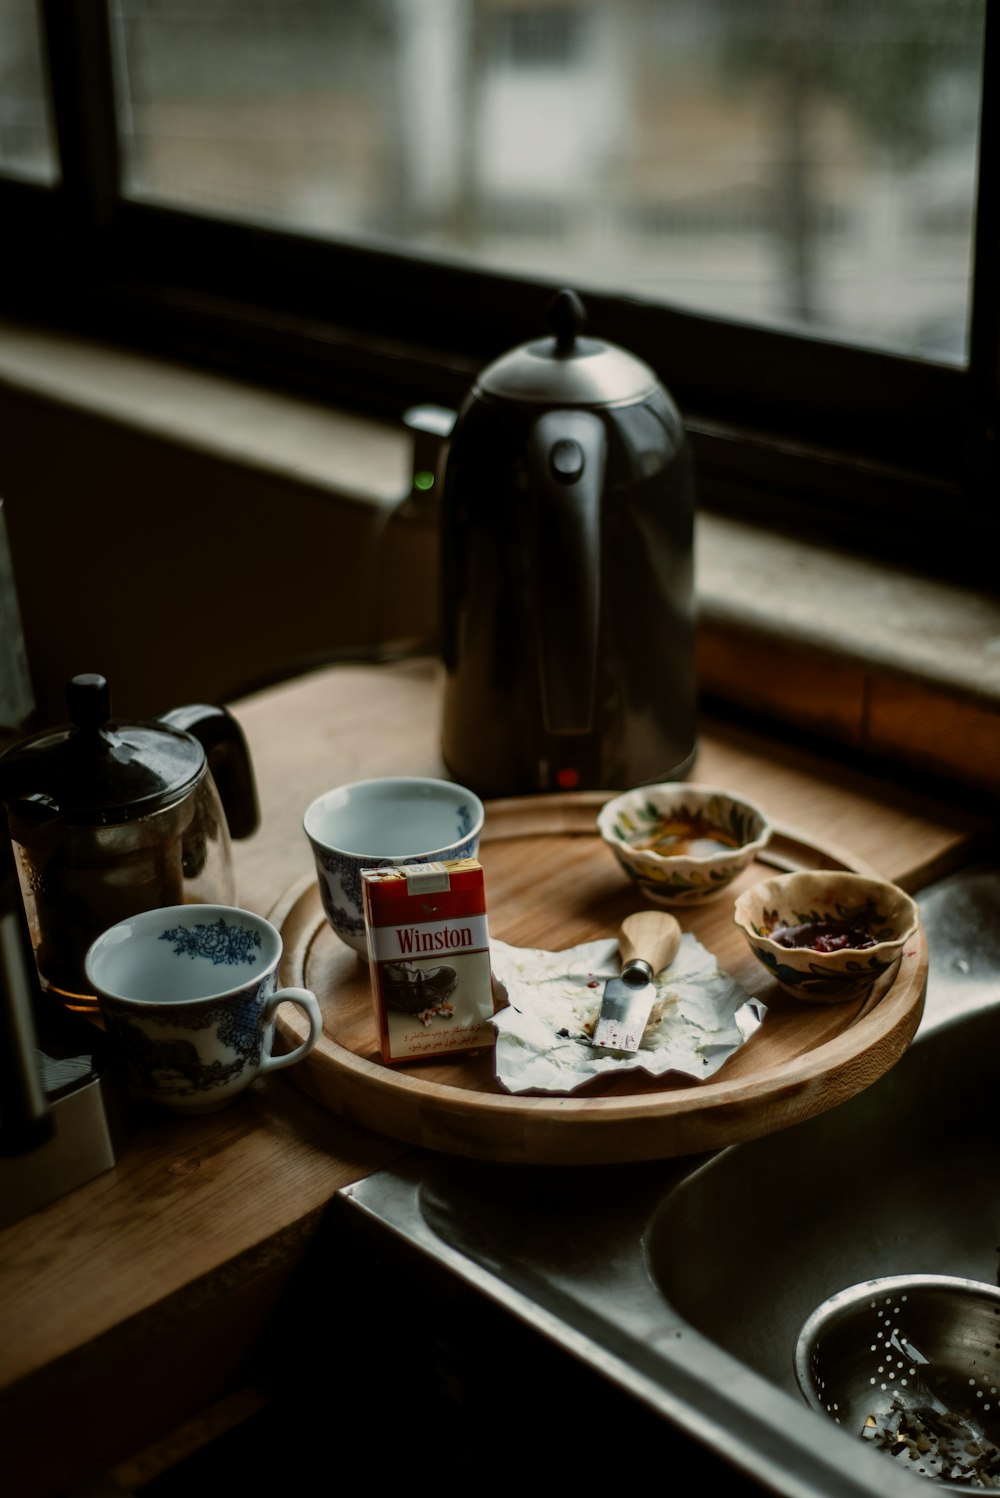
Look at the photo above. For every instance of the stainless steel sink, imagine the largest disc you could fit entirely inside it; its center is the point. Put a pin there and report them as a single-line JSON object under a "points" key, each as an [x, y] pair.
{"points": [[684, 1283]]}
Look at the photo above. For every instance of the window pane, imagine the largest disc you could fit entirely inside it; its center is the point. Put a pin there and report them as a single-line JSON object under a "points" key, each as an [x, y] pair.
{"points": [[808, 164], [27, 139]]}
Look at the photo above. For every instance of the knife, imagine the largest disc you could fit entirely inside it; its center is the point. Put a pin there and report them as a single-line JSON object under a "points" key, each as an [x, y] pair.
{"points": [[647, 942]]}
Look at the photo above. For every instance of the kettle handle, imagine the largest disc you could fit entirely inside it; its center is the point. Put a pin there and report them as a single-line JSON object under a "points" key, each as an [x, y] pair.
{"points": [[229, 761], [566, 460]]}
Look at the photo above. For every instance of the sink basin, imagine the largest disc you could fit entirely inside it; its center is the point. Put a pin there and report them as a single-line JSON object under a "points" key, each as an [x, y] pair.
{"points": [[685, 1282], [902, 1180]]}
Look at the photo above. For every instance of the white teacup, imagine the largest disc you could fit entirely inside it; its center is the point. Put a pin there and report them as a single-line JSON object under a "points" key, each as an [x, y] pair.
{"points": [[190, 992], [381, 823]]}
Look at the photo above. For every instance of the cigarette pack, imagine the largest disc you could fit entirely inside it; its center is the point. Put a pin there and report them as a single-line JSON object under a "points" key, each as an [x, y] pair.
{"points": [[429, 951]]}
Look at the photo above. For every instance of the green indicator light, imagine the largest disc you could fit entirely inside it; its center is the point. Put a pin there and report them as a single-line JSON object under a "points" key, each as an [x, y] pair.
{"points": [[423, 480]]}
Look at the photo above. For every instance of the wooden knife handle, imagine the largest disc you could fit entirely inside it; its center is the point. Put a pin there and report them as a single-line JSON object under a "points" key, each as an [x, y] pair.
{"points": [[653, 935]]}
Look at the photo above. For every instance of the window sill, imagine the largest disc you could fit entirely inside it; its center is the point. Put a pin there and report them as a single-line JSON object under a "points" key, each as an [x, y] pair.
{"points": [[872, 656], [869, 656]]}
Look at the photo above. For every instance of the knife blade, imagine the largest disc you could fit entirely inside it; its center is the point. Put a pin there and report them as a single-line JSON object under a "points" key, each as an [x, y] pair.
{"points": [[647, 943]]}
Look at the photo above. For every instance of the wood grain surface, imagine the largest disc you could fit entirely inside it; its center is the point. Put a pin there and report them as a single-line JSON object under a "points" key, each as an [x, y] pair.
{"points": [[551, 883]]}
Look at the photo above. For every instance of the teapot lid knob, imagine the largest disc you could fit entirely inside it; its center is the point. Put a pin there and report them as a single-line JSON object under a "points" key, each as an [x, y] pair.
{"points": [[89, 699], [94, 772], [567, 317]]}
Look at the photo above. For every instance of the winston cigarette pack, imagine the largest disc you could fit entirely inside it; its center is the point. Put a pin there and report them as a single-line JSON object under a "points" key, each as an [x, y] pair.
{"points": [[429, 948]]}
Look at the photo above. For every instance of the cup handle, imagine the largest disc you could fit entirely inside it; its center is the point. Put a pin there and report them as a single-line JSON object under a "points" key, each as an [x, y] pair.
{"points": [[308, 1003]]}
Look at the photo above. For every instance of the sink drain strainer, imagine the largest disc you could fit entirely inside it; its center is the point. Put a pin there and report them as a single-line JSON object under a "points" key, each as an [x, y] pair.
{"points": [[912, 1364]]}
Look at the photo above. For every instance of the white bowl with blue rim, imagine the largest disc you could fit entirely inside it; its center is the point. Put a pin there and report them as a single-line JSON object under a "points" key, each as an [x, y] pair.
{"points": [[382, 823]]}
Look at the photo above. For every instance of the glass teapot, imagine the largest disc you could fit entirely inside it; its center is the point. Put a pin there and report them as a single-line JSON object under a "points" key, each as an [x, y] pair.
{"points": [[108, 819]]}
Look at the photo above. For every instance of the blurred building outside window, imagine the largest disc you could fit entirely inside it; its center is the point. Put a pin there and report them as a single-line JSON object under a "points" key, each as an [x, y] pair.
{"points": [[803, 164]]}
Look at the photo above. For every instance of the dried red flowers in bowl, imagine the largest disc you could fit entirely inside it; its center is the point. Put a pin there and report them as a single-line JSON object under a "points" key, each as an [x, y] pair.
{"points": [[827, 937]]}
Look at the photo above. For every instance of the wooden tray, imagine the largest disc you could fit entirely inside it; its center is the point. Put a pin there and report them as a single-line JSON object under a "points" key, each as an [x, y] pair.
{"points": [[551, 883]]}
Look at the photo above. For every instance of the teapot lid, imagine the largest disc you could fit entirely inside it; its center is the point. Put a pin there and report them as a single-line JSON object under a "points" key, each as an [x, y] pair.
{"points": [[92, 771], [568, 369]]}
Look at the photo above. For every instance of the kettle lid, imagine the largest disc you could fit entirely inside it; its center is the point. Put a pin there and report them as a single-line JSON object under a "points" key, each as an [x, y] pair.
{"points": [[568, 369], [92, 771]]}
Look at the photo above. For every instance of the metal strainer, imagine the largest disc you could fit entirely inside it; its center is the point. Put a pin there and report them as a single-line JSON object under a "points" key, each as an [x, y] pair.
{"points": [[911, 1363]]}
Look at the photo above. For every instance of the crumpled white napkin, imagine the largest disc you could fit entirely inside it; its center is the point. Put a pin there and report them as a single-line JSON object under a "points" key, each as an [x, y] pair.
{"points": [[542, 1045]]}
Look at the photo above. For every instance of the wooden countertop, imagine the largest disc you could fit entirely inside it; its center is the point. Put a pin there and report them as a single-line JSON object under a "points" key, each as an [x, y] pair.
{"points": [[178, 1255]]}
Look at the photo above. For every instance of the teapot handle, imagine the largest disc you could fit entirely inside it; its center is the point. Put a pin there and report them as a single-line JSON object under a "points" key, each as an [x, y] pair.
{"points": [[229, 762]]}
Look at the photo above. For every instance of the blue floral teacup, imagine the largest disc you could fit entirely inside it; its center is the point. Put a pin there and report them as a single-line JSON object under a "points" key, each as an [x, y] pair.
{"points": [[374, 824], [189, 993]]}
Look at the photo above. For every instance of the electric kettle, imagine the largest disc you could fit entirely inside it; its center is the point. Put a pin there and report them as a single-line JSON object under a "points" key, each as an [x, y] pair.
{"points": [[567, 572], [107, 819]]}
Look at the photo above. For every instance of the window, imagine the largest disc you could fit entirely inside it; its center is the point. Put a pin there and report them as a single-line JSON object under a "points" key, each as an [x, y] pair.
{"points": [[27, 140], [785, 207]]}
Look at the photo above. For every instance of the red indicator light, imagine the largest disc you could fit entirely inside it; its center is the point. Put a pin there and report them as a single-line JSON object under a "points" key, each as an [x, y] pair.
{"points": [[567, 779]]}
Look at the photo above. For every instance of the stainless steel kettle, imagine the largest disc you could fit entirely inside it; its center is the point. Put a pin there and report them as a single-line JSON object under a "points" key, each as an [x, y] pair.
{"points": [[109, 818], [567, 572]]}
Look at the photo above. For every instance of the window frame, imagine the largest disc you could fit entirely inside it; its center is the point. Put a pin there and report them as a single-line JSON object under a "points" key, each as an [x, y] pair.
{"points": [[857, 448]]}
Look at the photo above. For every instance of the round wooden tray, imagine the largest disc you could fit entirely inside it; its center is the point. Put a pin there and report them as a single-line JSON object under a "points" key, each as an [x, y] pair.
{"points": [[551, 883]]}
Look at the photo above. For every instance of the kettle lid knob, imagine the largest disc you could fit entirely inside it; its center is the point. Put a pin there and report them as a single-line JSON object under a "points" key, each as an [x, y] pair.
{"points": [[567, 369], [567, 318]]}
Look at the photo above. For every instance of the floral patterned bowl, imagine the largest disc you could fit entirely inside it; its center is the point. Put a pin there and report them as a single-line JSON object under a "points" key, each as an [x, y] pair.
{"points": [[827, 937], [682, 843]]}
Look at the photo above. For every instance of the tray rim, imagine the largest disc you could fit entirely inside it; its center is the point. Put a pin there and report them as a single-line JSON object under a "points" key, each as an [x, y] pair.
{"points": [[418, 1111]]}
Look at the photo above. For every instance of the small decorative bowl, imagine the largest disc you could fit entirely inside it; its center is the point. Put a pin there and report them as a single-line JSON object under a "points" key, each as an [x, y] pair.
{"points": [[682, 843], [826, 936]]}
